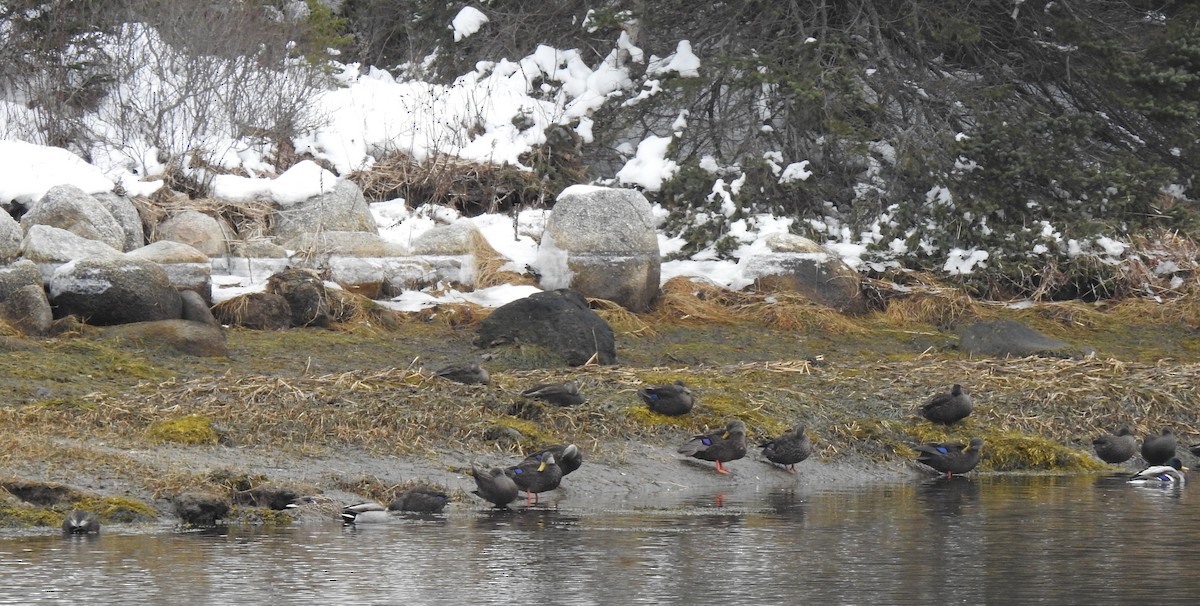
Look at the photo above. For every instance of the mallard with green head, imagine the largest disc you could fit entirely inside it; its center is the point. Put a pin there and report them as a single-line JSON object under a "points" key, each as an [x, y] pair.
{"points": [[1170, 473], [671, 400], [719, 447], [951, 458], [789, 448], [367, 512], [1115, 447]]}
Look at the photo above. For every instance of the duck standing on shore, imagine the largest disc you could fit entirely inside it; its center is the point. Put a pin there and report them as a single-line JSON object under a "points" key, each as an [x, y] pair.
{"points": [[1158, 449], [720, 447], [671, 400], [494, 486], [948, 408], [536, 477], [789, 448], [568, 457], [1115, 447], [951, 458]]}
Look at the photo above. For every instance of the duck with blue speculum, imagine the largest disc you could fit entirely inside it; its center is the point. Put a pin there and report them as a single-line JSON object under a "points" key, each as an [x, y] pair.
{"points": [[80, 521], [788, 449], [494, 486], [568, 456], [536, 477], [1115, 447], [1172, 472], [719, 447], [948, 408], [1158, 449], [950, 458], [672, 400]]}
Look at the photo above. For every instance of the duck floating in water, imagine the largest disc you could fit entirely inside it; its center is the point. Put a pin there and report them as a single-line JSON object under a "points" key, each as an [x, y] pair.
{"points": [[80, 521], [494, 486], [1159, 449], [367, 512], [1170, 473], [671, 400], [420, 499], [951, 458], [789, 448], [470, 374], [720, 447], [1115, 447], [567, 456], [559, 394], [536, 477], [948, 408]]}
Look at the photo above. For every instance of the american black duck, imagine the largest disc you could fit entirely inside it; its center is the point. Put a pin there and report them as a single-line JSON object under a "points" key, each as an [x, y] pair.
{"points": [[672, 400], [536, 477], [1169, 473], [720, 447], [1159, 449], [80, 521], [1115, 447], [948, 408], [367, 512], [420, 499], [494, 486], [559, 394], [568, 457], [789, 448], [951, 458], [470, 373], [315, 508]]}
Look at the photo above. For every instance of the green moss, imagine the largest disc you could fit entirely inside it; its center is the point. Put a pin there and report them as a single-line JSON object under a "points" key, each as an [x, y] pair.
{"points": [[533, 434], [17, 516], [191, 430], [118, 509]]}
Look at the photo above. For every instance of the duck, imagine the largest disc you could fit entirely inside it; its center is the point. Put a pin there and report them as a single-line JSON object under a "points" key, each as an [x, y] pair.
{"points": [[494, 486], [559, 394], [720, 447], [1159, 449], [536, 477], [950, 458], [671, 400], [1194, 449], [80, 521], [1115, 447], [568, 456], [367, 512], [420, 499], [470, 374], [948, 408], [789, 448], [1170, 473], [311, 508]]}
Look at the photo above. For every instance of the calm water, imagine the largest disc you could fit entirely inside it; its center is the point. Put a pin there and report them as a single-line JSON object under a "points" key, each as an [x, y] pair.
{"points": [[986, 540]]}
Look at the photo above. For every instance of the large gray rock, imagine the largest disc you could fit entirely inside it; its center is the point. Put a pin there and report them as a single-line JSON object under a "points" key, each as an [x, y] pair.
{"points": [[795, 263], [70, 208], [603, 243], [198, 230], [306, 296], [23, 302], [127, 217], [186, 267], [343, 209], [184, 336], [106, 291], [46, 244], [1009, 338], [11, 235], [345, 243], [256, 310], [558, 320]]}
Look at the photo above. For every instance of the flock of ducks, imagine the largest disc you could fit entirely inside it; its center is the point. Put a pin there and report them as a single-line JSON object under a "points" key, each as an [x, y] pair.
{"points": [[544, 470]]}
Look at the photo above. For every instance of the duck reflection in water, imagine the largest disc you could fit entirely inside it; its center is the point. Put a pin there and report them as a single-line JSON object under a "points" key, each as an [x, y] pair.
{"points": [[944, 496]]}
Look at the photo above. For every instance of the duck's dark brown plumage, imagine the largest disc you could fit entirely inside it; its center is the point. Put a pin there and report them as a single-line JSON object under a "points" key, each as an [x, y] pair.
{"points": [[948, 408], [951, 458], [720, 447], [559, 394], [789, 448], [470, 374], [1159, 449], [1115, 447], [420, 499], [536, 477], [672, 400], [568, 456], [494, 486], [80, 521]]}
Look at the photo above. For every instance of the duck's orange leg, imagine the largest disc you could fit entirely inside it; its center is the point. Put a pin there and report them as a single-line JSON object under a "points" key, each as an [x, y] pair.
{"points": [[720, 468]]}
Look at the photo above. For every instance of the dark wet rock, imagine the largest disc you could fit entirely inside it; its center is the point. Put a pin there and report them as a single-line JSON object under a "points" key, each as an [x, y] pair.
{"points": [[195, 309], [603, 243], [201, 508], [256, 310], [1009, 338], [271, 496], [305, 293], [45, 494], [558, 320], [105, 291], [183, 336]]}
